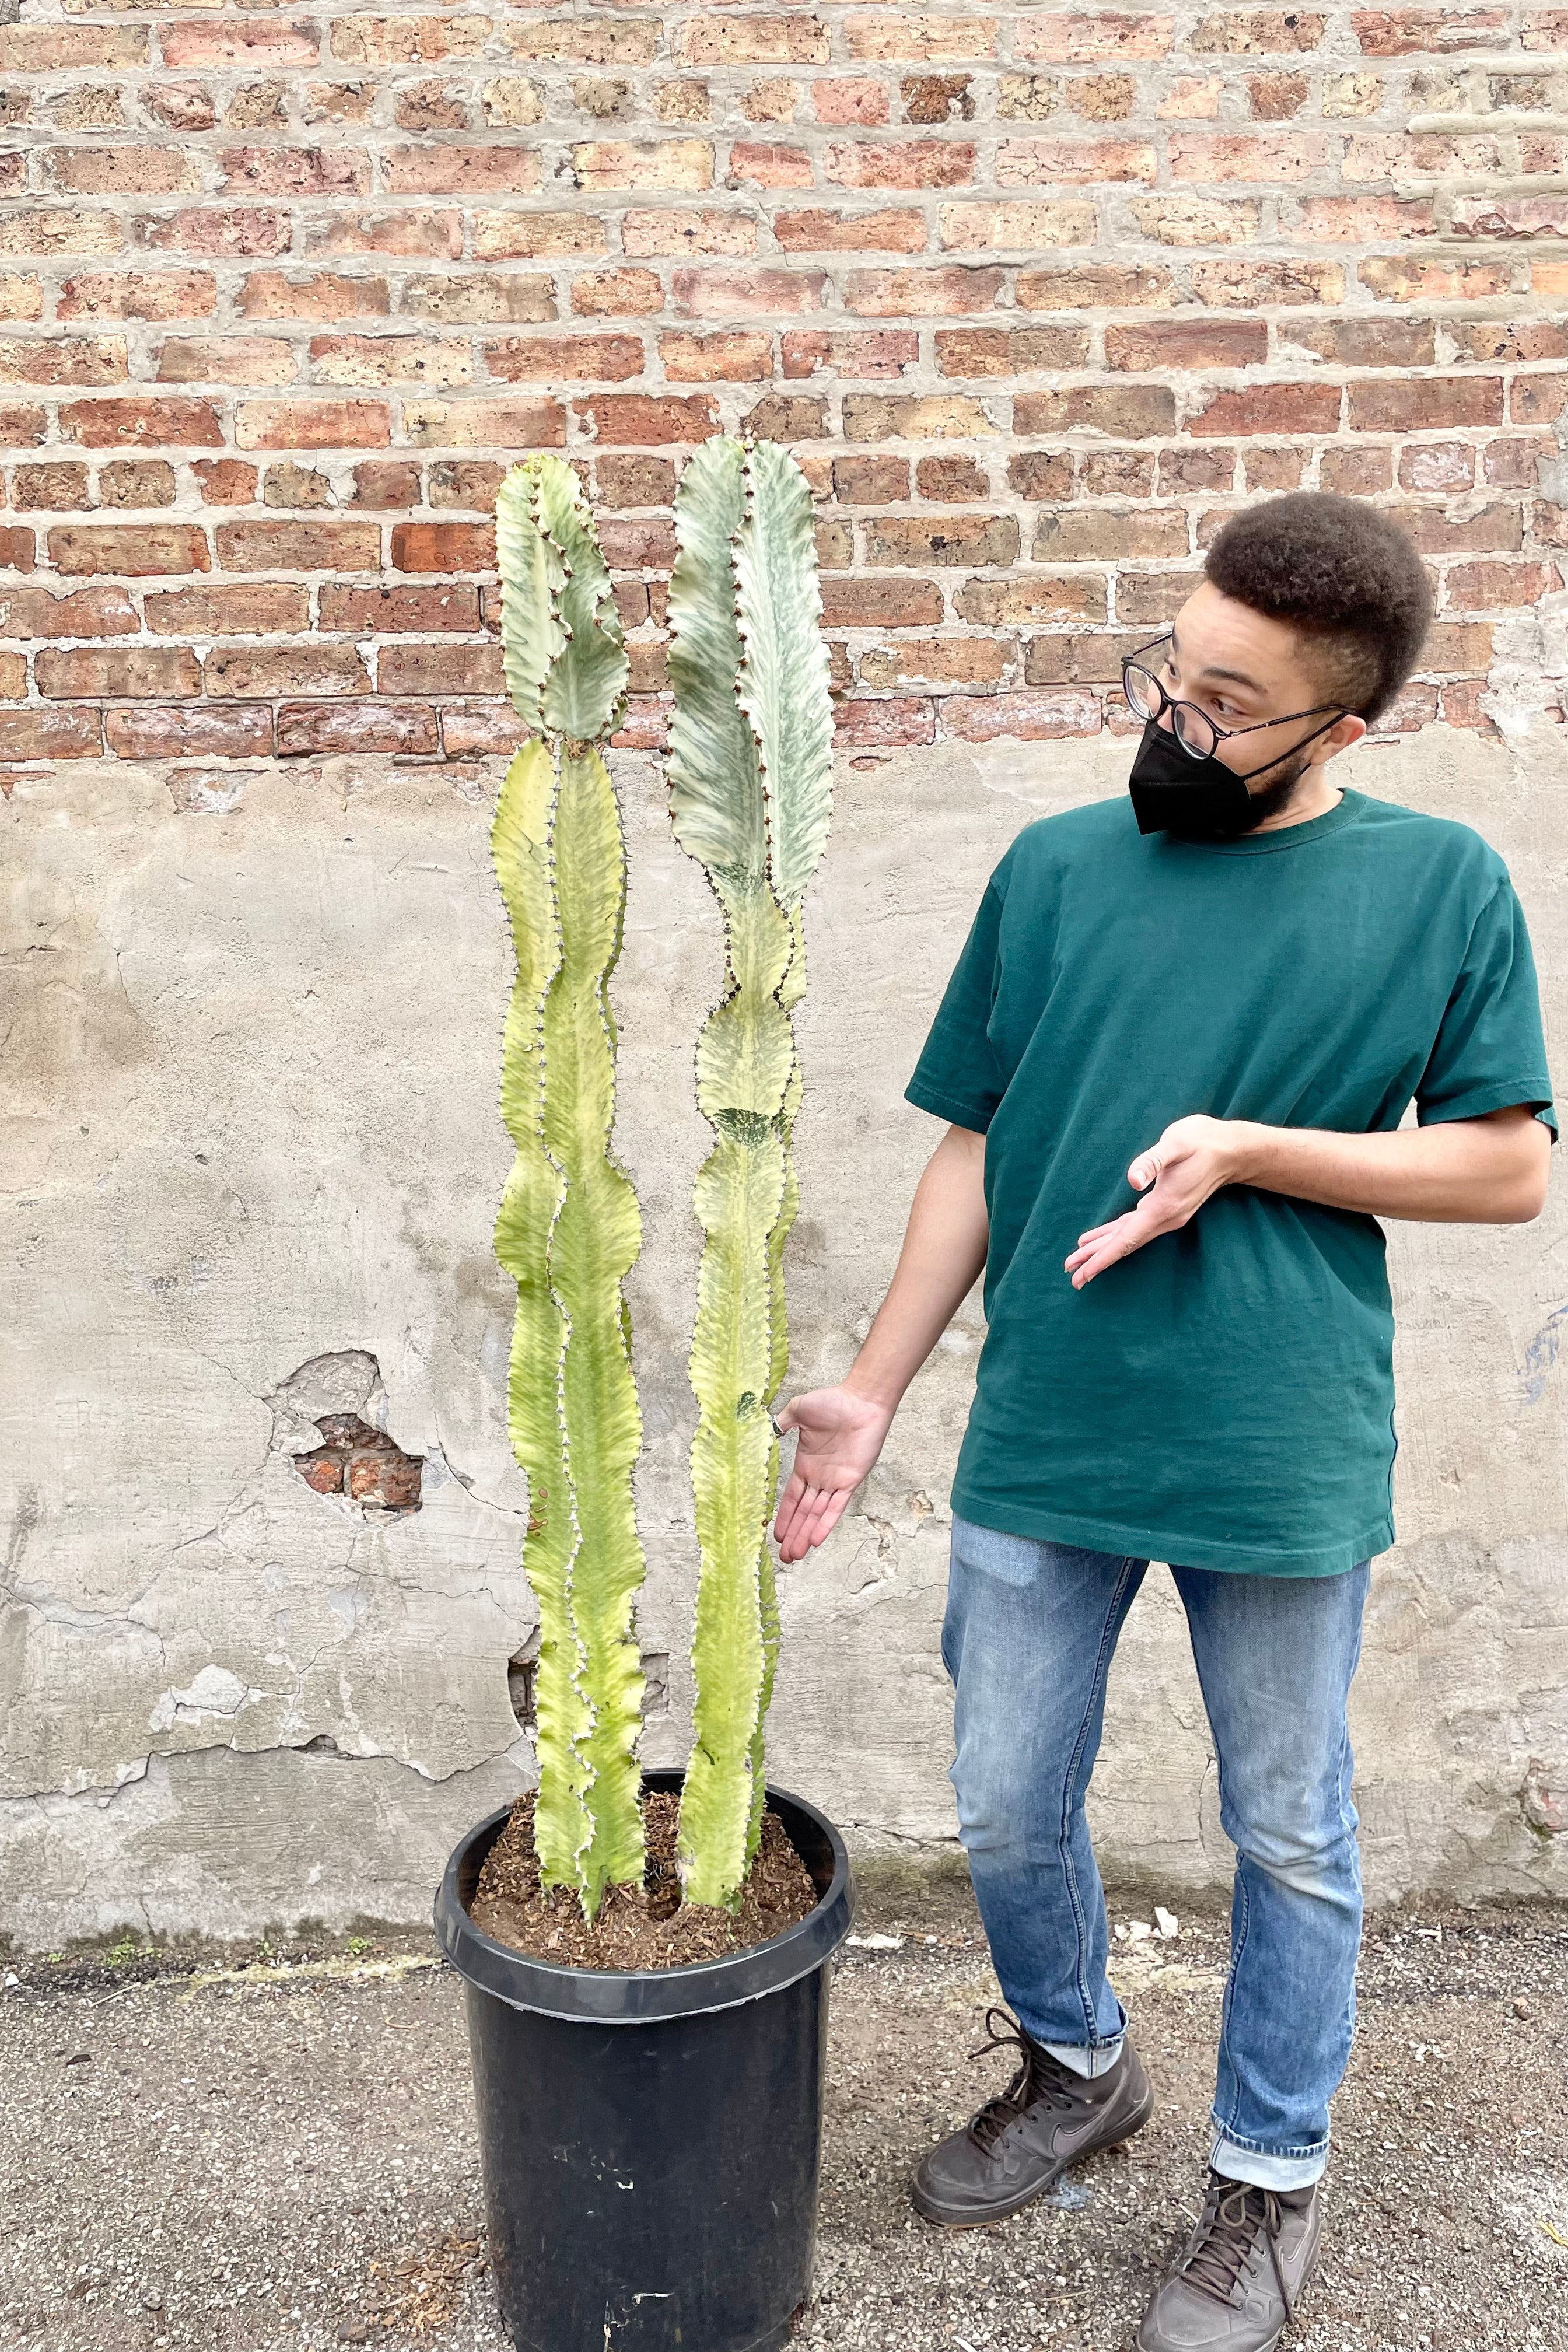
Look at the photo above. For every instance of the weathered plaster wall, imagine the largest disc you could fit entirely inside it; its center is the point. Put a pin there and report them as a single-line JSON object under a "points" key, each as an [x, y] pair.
{"points": [[250, 1158]]}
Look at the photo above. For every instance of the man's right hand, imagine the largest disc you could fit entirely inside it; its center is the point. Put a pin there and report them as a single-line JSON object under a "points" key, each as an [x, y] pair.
{"points": [[840, 1436]]}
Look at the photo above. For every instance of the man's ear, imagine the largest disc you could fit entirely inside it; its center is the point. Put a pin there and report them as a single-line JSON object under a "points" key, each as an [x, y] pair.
{"points": [[1340, 737]]}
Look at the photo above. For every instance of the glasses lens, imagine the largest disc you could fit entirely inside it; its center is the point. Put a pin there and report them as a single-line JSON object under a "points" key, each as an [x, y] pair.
{"points": [[1194, 733], [1141, 689]]}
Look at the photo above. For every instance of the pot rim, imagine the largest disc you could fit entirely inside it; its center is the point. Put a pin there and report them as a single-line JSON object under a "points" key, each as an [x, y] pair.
{"points": [[644, 1996]]}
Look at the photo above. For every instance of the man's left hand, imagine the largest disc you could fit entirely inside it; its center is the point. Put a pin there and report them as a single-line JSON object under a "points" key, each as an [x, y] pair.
{"points": [[1192, 1158]]}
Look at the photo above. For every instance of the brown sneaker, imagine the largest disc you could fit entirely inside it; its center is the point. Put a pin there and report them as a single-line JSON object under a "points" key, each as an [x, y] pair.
{"points": [[1022, 2142], [1234, 2285]]}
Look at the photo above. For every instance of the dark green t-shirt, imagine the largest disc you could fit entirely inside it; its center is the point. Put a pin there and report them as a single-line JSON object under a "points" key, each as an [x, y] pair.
{"points": [[1224, 1397]]}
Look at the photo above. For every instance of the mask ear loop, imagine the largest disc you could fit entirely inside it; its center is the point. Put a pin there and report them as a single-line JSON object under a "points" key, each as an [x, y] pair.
{"points": [[1301, 746]]}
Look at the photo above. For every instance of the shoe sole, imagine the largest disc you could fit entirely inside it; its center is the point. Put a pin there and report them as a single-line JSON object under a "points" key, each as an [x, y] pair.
{"points": [[968, 2221]]}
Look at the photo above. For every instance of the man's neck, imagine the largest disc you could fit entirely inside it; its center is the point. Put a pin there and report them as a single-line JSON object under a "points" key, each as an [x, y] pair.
{"points": [[1314, 796]]}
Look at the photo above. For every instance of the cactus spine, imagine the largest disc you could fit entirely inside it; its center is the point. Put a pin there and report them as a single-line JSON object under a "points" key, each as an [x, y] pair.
{"points": [[750, 773], [568, 1229]]}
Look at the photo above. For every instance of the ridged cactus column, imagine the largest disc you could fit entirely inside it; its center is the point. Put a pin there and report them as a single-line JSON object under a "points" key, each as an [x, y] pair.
{"points": [[750, 771], [568, 1230]]}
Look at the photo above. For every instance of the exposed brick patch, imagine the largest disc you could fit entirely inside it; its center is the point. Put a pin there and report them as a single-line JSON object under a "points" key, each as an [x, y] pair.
{"points": [[1039, 294], [361, 1464]]}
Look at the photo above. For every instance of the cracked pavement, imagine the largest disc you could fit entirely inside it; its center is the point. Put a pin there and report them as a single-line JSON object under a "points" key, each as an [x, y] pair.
{"points": [[272, 2150]]}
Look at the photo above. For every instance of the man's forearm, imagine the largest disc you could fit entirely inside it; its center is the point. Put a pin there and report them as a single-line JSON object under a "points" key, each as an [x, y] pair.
{"points": [[1488, 1171], [943, 1252]]}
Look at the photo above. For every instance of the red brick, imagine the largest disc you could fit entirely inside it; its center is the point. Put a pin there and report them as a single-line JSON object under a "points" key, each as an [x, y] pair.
{"points": [[767, 165], [1415, 277], [37, 734], [944, 661], [1258, 32], [225, 359], [1021, 227], [652, 235], [420, 235], [1009, 351], [830, 232], [947, 291], [1235, 283], [225, 481], [1510, 217], [443, 546], [1074, 163], [1129, 412], [1186, 343], [18, 552], [1538, 399], [382, 612], [607, 163], [889, 36], [121, 171], [298, 546], [889, 720], [1461, 706], [1032, 714], [406, 40], [52, 484], [1080, 39], [1486, 587], [642, 420], [193, 730], [81, 674], [1270, 408], [322, 294], [23, 426], [872, 356], [156, 422], [861, 604], [87, 612], [60, 232], [59, 48], [617, 293], [139, 294], [635, 481], [1047, 474], [489, 423], [713, 293], [1418, 32], [1425, 404], [1513, 340], [260, 674], [954, 538], [871, 481], [1196, 220], [566, 358], [851, 101], [237, 232], [297, 170], [325, 726], [469, 731], [79, 360], [252, 608], [132, 549], [735, 358], [440, 670], [1088, 285], [637, 543], [1212, 157], [1067, 659], [230, 42], [460, 171], [1101, 534], [312, 425], [914, 164]]}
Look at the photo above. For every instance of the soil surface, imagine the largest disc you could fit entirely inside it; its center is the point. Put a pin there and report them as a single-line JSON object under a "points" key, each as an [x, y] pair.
{"points": [[645, 1927]]}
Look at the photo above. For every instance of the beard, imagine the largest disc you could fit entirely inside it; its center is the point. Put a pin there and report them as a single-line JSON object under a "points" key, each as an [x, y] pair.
{"points": [[1274, 797]]}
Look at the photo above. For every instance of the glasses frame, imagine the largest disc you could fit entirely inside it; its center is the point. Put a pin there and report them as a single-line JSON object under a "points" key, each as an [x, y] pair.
{"points": [[1173, 704]]}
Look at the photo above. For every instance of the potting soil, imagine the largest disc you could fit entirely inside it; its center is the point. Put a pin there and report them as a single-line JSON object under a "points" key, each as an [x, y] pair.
{"points": [[645, 1927]]}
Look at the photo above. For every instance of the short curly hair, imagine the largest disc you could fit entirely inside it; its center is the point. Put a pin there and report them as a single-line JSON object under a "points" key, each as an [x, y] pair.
{"points": [[1341, 573]]}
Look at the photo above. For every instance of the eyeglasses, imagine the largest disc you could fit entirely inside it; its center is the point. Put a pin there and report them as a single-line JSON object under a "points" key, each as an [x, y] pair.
{"points": [[1194, 729]]}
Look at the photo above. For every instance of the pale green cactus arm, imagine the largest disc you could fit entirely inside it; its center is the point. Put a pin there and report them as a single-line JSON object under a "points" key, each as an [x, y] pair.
{"points": [[749, 739], [568, 1229]]}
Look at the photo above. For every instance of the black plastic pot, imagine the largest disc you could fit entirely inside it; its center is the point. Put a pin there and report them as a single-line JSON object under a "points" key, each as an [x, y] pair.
{"points": [[650, 2140]]}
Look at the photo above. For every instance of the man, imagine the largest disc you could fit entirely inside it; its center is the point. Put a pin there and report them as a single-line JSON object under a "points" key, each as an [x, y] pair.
{"points": [[1221, 991]]}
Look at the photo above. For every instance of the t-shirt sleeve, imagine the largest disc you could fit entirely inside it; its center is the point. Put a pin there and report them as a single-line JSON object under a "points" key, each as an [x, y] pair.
{"points": [[1490, 1052], [957, 1077]]}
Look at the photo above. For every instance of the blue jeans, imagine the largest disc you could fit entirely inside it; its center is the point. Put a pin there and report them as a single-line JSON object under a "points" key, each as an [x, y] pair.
{"points": [[1028, 1638]]}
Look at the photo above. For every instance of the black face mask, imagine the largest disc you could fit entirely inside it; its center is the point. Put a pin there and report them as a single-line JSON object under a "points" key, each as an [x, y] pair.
{"points": [[1173, 792]]}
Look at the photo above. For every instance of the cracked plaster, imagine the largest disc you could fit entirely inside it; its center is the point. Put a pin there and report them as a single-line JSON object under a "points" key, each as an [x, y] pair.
{"points": [[252, 1155]]}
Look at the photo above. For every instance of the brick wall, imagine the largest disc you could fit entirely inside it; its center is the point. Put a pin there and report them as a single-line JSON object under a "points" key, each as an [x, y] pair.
{"points": [[1037, 295]]}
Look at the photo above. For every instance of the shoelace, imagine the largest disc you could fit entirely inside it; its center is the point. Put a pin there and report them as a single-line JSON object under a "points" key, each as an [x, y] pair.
{"points": [[1234, 2211], [1039, 2077]]}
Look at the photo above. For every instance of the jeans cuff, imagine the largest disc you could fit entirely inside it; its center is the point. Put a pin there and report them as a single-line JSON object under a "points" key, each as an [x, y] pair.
{"points": [[1082, 2061], [1235, 2162]]}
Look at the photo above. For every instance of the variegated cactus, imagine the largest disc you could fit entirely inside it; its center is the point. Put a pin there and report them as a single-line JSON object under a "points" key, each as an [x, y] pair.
{"points": [[750, 773], [568, 1229], [750, 784]]}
